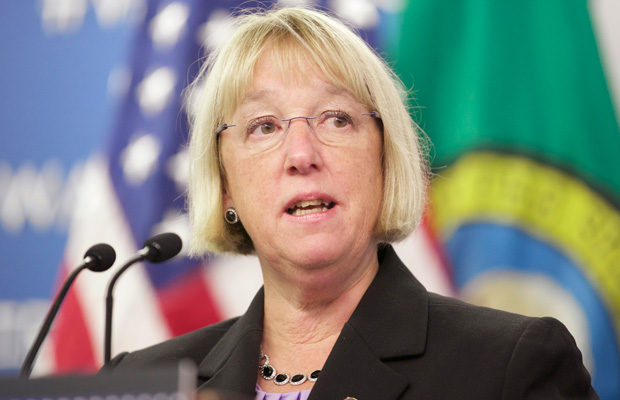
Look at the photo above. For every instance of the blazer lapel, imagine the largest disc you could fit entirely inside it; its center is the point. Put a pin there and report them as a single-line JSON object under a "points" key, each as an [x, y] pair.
{"points": [[389, 322], [232, 364], [359, 374]]}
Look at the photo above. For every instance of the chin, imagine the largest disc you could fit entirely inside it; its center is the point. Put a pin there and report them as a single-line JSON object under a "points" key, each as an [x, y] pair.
{"points": [[319, 254]]}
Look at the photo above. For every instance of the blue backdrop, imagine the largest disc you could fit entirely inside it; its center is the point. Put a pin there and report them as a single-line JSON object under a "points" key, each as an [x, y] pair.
{"points": [[58, 78]]}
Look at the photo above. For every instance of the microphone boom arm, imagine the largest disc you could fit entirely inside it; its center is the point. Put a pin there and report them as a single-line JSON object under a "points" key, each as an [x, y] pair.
{"points": [[47, 323], [156, 249], [98, 258], [109, 301]]}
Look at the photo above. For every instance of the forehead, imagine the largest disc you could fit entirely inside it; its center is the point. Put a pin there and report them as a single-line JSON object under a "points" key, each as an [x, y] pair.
{"points": [[296, 84], [276, 95]]}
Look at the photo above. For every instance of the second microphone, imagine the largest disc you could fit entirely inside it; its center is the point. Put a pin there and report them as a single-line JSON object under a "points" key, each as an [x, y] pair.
{"points": [[156, 249]]}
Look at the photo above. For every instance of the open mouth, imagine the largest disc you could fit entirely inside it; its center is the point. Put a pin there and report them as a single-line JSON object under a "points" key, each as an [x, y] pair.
{"points": [[310, 206]]}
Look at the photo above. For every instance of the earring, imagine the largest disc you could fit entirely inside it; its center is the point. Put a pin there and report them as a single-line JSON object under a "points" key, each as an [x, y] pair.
{"points": [[231, 216]]}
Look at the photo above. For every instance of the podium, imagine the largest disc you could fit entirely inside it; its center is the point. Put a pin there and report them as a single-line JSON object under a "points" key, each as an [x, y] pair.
{"points": [[176, 382]]}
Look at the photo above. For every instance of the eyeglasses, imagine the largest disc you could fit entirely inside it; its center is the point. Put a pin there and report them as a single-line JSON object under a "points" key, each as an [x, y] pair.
{"points": [[330, 127]]}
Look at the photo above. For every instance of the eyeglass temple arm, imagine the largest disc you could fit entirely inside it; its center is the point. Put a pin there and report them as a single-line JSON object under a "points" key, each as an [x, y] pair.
{"points": [[374, 114], [222, 128]]}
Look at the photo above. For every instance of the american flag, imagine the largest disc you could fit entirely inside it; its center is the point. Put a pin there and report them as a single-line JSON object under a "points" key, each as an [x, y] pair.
{"points": [[136, 189]]}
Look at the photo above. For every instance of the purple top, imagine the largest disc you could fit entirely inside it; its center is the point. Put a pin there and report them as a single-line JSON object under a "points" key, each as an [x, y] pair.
{"points": [[301, 395]]}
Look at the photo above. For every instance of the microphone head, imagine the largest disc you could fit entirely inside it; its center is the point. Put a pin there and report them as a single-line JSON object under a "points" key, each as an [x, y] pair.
{"points": [[102, 257], [163, 247]]}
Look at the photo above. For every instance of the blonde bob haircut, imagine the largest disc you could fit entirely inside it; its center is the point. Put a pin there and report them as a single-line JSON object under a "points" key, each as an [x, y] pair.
{"points": [[298, 37]]}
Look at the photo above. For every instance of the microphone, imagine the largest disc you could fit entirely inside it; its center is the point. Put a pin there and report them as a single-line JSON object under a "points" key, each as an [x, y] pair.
{"points": [[156, 249], [98, 258]]}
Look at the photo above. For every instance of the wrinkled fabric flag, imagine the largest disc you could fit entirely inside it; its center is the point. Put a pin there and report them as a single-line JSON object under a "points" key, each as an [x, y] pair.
{"points": [[515, 97]]}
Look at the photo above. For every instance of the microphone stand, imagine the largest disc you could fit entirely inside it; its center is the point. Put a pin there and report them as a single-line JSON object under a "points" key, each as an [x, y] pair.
{"points": [[26, 369], [109, 301]]}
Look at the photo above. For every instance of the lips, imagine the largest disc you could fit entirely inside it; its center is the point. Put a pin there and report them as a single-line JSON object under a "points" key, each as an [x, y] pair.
{"points": [[303, 207]]}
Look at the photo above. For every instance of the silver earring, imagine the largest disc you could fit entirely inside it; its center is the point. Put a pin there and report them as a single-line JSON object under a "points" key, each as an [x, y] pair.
{"points": [[231, 216]]}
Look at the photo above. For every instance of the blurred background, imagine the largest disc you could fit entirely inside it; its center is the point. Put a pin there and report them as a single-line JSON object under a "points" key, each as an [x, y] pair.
{"points": [[520, 100]]}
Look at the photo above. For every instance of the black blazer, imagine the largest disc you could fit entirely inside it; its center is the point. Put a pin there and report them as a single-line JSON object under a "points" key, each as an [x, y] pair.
{"points": [[400, 343]]}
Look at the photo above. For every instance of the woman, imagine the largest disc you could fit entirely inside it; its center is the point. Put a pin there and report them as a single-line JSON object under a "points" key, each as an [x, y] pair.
{"points": [[303, 153]]}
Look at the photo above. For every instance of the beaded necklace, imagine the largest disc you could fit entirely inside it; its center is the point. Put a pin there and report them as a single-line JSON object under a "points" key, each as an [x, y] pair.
{"points": [[268, 372]]}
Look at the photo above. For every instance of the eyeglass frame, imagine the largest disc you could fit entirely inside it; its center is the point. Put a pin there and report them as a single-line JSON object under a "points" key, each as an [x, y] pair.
{"points": [[223, 127]]}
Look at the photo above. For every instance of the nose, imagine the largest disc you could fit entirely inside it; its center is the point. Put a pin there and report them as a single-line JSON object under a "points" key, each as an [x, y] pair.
{"points": [[302, 147]]}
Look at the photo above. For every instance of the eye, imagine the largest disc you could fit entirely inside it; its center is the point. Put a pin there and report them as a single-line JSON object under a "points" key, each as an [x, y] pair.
{"points": [[267, 128], [263, 126], [340, 122], [337, 119]]}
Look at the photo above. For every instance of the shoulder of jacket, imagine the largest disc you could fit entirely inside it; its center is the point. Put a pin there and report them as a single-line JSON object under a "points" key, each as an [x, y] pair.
{"points": [[193, 345], [479, 320]]}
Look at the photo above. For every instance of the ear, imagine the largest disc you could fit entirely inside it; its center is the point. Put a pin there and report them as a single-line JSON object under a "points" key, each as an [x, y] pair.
{"points": [[227, 200]]}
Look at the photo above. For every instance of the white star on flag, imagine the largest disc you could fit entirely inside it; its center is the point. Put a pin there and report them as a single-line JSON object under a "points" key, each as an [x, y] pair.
{"points": [[156, 90], [217, 28], [139, 159], [167, 27]]}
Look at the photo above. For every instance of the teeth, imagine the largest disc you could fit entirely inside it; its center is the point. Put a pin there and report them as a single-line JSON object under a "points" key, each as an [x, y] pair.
{"points": [[306, 203], [304, 207], [301, 211]]}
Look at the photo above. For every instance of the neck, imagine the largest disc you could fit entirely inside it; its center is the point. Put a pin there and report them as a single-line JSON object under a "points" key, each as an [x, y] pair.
{"points": [[304, 316]]}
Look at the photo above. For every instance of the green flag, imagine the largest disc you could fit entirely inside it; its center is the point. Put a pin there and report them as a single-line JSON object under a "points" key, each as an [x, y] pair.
{"points": [[526, 153]]}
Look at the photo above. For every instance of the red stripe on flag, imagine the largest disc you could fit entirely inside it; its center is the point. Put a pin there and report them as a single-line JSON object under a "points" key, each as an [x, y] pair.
{"points": [[187, 303], [71, 341], [437, 247]]}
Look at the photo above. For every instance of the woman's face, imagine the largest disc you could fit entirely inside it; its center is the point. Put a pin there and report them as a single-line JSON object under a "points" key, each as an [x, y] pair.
{"points": [[304, 199]]}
